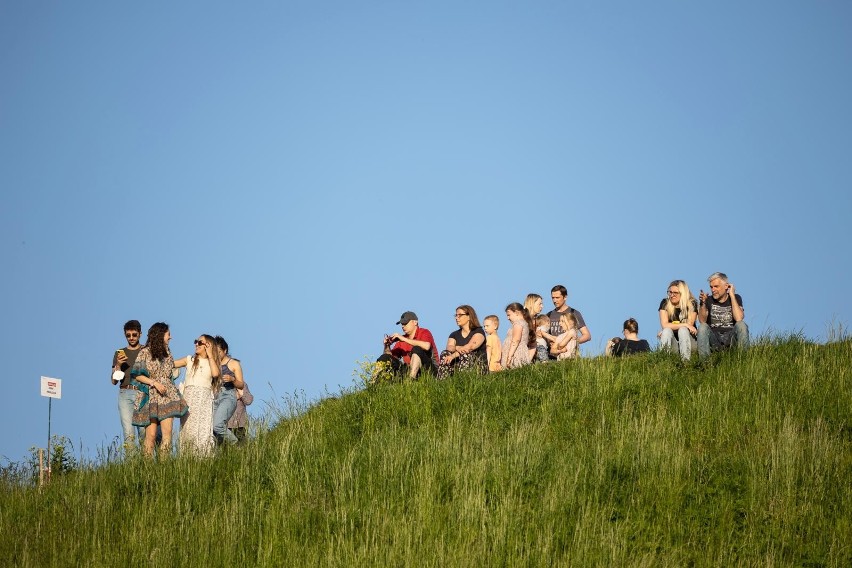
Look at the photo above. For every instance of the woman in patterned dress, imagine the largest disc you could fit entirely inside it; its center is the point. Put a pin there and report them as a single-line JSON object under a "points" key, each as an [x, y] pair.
{"points": [[202, 379], [158, 401]]}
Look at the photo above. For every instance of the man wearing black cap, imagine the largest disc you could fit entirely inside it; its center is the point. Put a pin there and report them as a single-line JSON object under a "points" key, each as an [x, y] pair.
{"points": [[412, 351]]}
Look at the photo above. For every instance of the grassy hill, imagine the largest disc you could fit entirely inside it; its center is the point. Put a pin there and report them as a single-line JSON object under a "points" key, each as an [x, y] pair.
{"points": [[746, 460]]}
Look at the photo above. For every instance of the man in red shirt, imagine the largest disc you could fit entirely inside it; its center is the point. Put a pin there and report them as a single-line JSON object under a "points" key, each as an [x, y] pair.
{"points": [[412, 351]]}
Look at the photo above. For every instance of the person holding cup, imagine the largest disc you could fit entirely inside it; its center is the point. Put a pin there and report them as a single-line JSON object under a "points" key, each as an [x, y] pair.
{"points": [[122, 360]]}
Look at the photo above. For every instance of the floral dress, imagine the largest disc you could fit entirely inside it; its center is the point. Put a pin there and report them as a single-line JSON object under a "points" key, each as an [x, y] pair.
{"points": [[196, 427], [151, 406], [522, 353]]}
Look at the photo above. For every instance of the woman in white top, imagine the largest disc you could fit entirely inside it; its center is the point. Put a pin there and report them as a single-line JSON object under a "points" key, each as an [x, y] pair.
{"points": [[202, 377]]}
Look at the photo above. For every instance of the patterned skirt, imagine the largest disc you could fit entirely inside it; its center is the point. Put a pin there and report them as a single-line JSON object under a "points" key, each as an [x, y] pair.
{"points": [[467, 362], [196, 426], [158, 407]]}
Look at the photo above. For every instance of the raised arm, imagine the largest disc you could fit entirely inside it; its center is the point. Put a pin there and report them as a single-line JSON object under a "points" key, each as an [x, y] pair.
{"points": [[736, 309], [237, 368], [425, 345], [702, 310]]}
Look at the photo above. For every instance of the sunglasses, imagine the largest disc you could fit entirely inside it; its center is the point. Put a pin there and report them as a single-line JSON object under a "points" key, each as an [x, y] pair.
{"points": [[461, 315], [131, 335], [197, 342]]}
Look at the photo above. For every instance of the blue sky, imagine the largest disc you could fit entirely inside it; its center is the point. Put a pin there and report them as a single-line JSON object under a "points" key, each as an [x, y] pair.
{"points": [[295, 175]]}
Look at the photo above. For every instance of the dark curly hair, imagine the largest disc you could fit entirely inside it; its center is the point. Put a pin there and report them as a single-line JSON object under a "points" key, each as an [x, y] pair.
{"points": [[156, 343]]}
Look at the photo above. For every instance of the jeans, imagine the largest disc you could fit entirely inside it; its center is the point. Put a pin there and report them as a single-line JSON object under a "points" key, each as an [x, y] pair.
{"points": [[224, 406], [126, 400], [711, 340], [682, 338]]}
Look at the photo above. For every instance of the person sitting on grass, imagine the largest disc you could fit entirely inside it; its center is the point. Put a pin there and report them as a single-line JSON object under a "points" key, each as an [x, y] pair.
{"points": [[721, 315], [678, 311], [413, 351], [630, 344], [466, 346]]}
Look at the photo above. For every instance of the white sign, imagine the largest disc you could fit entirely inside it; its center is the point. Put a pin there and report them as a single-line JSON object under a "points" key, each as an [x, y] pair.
{"points": [[51, 387]]}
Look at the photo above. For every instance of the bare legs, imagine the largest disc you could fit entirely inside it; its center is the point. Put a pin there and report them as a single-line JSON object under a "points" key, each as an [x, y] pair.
{"points": [[151, 437]]}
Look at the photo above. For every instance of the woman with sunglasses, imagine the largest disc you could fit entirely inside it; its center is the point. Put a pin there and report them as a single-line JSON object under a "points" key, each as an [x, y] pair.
{"points": [[465, 346], [201, 380], [158, 401], [678, 311]]}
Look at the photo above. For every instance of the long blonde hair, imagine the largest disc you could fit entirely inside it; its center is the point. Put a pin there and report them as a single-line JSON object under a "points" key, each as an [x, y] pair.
{"points": [[214, 360], [570, 322], [686, 304], [529, 302]]}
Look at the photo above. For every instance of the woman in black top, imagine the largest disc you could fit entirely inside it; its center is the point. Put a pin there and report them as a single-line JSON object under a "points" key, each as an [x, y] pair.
{"points": [[678, 312], [465, 346], [631, 342]]}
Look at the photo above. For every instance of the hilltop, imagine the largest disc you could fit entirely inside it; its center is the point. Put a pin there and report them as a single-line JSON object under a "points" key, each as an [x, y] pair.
{"points": [[643, 461]]}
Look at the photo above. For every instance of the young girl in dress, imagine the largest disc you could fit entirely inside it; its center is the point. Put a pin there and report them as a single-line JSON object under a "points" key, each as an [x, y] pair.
{"points": [[568, 339], [515, 350]]}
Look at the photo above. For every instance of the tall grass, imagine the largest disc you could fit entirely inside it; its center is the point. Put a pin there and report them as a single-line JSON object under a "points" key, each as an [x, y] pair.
{"points": [[746, 460]]}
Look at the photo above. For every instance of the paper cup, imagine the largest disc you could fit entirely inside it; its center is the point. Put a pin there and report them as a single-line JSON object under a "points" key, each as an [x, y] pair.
{"points": [[118, 376]]}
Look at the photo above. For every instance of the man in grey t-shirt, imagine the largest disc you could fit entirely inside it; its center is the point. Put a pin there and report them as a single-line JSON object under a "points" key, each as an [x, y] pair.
{"points": [[122, 361], [559, 294]]}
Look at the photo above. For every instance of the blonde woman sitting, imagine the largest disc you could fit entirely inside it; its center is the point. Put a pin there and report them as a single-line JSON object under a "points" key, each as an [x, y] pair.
{"points": [[678, 312]]}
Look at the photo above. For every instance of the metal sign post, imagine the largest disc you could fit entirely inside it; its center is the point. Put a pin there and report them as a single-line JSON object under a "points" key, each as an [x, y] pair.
{"points": [[51, 388]]}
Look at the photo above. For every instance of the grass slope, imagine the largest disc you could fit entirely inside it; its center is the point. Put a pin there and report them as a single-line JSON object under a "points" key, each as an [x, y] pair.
{"points": [[634, 462]]}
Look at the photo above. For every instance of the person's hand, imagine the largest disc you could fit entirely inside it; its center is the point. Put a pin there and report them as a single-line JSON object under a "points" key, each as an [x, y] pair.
{"points": [[209, 350], [447, 358], [731, 289], [692, 329], [121, 358], [160, 388], [659, 334], [538, 333], [702, 296]]}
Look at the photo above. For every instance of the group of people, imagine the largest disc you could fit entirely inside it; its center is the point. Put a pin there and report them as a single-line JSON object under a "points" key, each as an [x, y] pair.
{"points": [[210, 403], [713, 322]]}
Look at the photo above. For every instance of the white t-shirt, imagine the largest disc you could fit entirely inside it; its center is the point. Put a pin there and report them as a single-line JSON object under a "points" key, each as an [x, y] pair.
{"points": [[200, 376]]}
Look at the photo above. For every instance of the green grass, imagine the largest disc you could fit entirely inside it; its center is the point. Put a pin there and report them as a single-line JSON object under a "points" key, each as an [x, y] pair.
{"points": [[744, 461]]}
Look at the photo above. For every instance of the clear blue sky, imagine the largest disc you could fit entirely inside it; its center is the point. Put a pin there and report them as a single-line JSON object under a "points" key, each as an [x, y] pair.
{"points": [[295, 175]]}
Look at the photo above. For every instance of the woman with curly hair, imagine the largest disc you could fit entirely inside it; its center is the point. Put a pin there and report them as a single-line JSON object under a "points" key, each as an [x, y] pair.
{"points": [[158, 401], [202, 379]]}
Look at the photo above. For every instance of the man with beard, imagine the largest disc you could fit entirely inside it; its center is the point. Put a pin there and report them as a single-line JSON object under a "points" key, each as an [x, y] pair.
{"points": [[122, 361]]}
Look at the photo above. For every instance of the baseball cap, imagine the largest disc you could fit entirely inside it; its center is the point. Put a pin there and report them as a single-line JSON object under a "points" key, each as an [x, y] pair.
{"points": [[407, 317]]}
